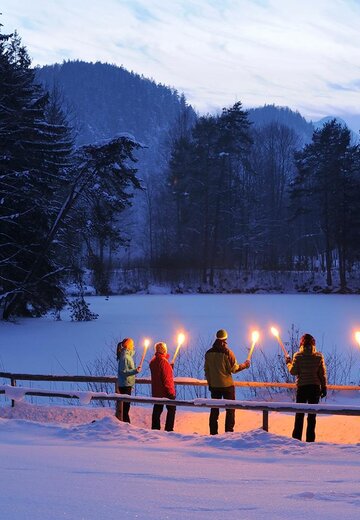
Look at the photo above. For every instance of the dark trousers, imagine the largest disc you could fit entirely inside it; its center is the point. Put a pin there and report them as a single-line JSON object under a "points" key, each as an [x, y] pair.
{"points": [[306, 394], [170, 417], [227, 392], [126, 405]]}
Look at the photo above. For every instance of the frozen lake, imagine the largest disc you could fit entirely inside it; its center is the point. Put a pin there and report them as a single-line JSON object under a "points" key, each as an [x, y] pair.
{"points": [[44, 345]]}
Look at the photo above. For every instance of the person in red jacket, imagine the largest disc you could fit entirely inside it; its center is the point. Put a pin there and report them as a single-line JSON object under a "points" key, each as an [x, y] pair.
{"points": [[162, 385]]}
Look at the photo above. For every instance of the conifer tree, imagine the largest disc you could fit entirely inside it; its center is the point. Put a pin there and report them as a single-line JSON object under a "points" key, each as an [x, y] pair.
{"points": [[33, 161], [42, 181], [327, 189]]}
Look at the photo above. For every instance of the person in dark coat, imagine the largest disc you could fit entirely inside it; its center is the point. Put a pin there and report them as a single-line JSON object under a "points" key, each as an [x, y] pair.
{"points": [[220, 364], [126, 374], [308, 366], [162, 385]]}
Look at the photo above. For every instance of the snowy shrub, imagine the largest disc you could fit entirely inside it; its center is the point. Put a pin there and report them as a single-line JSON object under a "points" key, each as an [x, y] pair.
{"points": [[80, 310]]}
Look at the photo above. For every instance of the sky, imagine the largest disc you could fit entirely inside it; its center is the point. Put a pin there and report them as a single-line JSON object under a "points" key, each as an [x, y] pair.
{"points": [[301, 54]]}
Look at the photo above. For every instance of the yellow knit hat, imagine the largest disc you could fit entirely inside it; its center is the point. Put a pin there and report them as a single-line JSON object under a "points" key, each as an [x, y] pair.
{"points": [[221, 334]]}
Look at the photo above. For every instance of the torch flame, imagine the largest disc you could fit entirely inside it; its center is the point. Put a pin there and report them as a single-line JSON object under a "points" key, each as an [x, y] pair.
{"points": [[146, 345], [181, 338], [274, 331], [255, 336], [180, 341], [357, 336]]}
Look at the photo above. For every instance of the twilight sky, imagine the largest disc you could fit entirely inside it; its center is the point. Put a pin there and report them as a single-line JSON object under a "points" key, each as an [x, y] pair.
{"points": [[300, 53]]}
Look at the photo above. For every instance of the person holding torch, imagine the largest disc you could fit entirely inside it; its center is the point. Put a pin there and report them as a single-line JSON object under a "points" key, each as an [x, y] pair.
{"points": [[126, 374], [308, 366], [162, 385], [220, 364]]}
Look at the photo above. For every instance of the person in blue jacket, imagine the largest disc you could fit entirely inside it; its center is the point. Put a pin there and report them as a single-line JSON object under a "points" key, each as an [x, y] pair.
{"points": [[126, 374]]}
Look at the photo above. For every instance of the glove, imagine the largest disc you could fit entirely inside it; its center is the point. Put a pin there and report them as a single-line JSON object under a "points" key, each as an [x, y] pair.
{"points": [[288, 359], [323, 392], [171, 396], [247, 363]]}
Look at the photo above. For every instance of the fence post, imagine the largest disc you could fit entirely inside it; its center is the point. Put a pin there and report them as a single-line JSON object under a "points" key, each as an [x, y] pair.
{"points": [[12, 383], [119, 405], [265, 425]]}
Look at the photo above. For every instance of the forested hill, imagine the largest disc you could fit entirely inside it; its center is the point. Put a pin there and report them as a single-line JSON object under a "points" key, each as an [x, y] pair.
{"points": [[106, 99], [285, 116]]}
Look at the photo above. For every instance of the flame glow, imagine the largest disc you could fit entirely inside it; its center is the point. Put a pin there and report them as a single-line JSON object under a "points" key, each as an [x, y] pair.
{"points": [[181, 338], [255, 336], [275, 332], [146, 345], [357, 337], [180, 341]]}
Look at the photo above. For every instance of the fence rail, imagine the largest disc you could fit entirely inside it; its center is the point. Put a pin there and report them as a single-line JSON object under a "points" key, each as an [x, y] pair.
{"points": [[184, 381], [265, 407], [202, 403]]}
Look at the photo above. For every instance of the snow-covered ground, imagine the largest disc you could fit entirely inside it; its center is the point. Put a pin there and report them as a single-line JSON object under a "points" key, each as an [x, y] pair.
{"points": [[57, 463], [81, 463]]}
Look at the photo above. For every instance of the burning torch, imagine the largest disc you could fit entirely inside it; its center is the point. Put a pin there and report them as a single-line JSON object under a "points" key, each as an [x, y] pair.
{"points": [[146, 346], [276, 333], [180, 341], [254, 338]]}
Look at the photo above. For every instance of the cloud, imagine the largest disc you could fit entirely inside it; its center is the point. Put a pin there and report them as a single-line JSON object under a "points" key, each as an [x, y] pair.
{"points": [[140, 11], [353, 86], [300, 54]]}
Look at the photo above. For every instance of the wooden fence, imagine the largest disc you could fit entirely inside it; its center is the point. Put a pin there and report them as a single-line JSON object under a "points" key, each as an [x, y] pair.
{"points": [[265, 407]]}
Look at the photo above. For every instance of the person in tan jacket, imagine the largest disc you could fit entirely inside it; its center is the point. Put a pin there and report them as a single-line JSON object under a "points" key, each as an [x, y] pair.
{"points": [[220, 364], [308, 366]]}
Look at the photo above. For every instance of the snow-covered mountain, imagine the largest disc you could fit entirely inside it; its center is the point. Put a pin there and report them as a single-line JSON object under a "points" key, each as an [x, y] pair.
{"points": [[319, 124], [327, 119]]}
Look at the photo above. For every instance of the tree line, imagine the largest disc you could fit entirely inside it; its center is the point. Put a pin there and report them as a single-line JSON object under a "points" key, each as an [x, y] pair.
{"points": [[232, 195], [239, 196]]}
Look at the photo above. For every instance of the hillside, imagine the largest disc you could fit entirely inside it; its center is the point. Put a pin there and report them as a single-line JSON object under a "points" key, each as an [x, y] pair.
{"points": [[271, 113], [104, 100]]}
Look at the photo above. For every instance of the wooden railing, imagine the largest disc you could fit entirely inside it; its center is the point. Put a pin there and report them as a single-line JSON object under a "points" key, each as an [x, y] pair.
{"points": [[265, 407], [182, 381]]}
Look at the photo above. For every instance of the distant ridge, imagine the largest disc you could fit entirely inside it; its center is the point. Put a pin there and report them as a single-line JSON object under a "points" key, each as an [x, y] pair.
{"points": [[107, 100], [319, 124], [327, 119], [267, 114]]}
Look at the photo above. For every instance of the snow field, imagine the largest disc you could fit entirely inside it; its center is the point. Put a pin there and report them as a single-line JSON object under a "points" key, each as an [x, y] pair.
{"points": [[73, 468], [58, 463]]}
